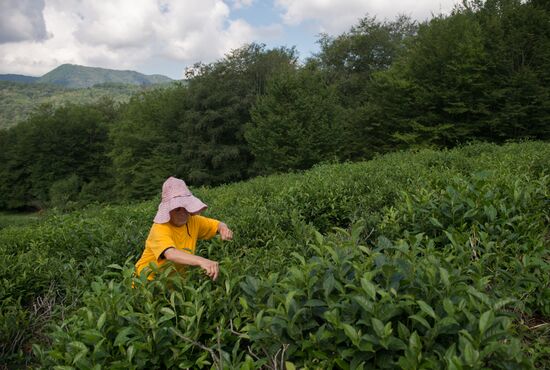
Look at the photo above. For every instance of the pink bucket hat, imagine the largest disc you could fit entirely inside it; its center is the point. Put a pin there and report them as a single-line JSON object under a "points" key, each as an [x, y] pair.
{"points": [[175, 194]]}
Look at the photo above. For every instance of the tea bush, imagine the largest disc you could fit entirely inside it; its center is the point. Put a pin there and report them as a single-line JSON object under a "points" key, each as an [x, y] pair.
{"points": [[403, 306], [425, 259], [498, 223]]}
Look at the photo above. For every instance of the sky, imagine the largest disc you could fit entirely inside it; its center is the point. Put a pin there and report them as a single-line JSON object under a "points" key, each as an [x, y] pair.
{"points": [[166, 36]]}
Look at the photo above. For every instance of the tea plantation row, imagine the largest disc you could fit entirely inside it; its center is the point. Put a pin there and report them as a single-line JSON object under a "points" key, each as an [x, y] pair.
{"points": [[424, 260]]}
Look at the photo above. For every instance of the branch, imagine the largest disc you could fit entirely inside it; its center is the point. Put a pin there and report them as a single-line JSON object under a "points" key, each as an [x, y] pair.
{"points": [[200, 345]]}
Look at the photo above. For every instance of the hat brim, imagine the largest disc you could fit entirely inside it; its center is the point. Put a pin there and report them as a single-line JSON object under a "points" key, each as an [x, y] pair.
{"points": [[191, 203]]}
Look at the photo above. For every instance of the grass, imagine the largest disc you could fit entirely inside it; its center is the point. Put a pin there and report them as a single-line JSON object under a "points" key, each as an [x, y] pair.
{"points": [[19, 219]]}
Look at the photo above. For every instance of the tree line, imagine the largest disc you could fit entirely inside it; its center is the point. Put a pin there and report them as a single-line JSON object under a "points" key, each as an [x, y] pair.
{"points": [[479, 73]]}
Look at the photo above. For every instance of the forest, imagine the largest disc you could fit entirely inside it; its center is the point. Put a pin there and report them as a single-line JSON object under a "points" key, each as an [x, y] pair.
{"points": [[481, 73]]}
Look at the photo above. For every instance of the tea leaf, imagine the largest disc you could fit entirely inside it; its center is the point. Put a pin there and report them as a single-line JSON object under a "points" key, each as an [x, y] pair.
{"points": [[378, 327], [470, 354], [427, 308], [328, 284], [444, 274], [486, 320], [101, 320], [415, 344], [435, 222], [369, 288], [289, 365], [421, 320], [123, 336], [351, 333], [130, 353], [448, 306]]}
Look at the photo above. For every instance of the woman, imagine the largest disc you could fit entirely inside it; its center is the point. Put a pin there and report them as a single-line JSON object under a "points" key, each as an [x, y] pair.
{"points": [[177, 227]]}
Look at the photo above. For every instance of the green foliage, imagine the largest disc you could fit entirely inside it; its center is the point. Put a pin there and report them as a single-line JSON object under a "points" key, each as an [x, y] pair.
{"points": [[214, 150], [433, 259], [53, 146], [63, 192], [398, 305], [492, 223], [296, 124], [193, 131], [145, 142], [17, 78], [351, 59], [518, 43], [18, 101], [442, 72], [19, 219], [481, 72]]}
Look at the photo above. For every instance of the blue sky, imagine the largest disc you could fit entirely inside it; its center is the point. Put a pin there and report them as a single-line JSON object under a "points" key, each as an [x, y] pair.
{"points": [[264, 13], [166, 36]]}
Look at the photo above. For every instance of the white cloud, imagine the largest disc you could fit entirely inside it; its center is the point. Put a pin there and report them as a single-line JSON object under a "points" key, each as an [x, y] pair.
{"points": [[116, 24], [192, 30], [122, 34], [21, 20], [335, 17]]}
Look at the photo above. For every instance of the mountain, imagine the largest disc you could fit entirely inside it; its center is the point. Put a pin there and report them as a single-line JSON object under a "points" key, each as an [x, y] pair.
{"points": [[18, 78], [75, 76]]}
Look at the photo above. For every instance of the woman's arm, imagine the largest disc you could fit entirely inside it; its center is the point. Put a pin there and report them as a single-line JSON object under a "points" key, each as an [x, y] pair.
{"points": [[177, 256]]}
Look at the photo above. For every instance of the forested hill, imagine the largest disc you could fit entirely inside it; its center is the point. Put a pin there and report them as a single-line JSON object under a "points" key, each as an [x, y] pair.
{"points": [[75, 76], [18, 78], [20, 95], [18, 100]]}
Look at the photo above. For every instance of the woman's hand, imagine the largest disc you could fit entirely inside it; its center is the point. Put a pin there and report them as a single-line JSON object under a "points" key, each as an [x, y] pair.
{"points": [[224, 231], [211, 268]]}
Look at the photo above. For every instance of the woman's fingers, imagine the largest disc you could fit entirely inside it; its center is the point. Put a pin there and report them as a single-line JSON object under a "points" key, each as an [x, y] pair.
{"points": [[214, 272], [212, 269], [225, 232]]}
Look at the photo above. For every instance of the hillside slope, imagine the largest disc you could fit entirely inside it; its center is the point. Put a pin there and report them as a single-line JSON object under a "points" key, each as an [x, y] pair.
{"points": [[426, 259], [75, 76], [18, 78]]}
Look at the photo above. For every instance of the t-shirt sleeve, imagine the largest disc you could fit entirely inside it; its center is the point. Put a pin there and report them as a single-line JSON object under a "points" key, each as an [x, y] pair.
{"points": [[160, 239], [208, 227]]}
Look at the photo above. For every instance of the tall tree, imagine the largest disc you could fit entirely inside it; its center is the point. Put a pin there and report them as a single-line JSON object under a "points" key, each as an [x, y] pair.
{"points": [[145, 141], [214, 149], [437, 94], [481, 72], [53, 145], [517, 43], [350, 61], [296, 123]]}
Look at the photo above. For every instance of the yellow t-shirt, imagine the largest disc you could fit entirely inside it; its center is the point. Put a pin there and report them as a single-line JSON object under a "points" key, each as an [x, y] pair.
{"points": [[184, 238]]}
